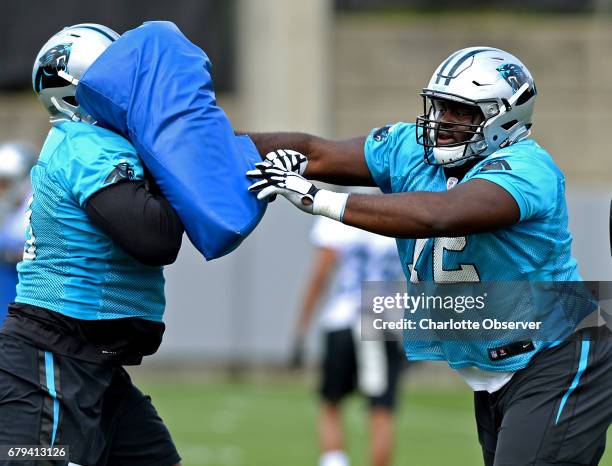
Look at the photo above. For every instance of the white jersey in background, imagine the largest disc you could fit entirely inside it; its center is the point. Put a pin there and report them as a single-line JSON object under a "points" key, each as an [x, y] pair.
{"points": [[362, 256], [13, 231]]}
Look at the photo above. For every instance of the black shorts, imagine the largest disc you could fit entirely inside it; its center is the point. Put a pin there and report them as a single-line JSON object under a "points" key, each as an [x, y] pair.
{"points": [[556, 411], [94, 409], [349, 363]]}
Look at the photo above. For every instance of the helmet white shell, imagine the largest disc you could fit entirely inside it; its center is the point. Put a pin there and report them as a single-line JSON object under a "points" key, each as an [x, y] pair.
{"points": [[61, 63], [16, 160]]}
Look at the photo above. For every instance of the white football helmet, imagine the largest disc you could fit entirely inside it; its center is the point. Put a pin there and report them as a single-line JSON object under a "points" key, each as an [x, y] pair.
{"points": [[495, 82], [16, 160], [60, 64]]}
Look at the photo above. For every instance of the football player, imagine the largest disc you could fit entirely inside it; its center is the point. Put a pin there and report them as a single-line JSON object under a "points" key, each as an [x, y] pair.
{"points": [[16, 160], [90, 297], [346, 257], [471, 197]]}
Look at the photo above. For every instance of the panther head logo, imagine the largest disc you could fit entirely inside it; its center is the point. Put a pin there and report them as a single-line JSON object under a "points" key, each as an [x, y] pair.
{"points": [[514, 75], [53, 60], [122, 171]]}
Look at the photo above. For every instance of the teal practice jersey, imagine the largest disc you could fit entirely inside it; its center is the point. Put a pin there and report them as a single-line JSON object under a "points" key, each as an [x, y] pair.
{"points": [[70, 266], [536, 249]]}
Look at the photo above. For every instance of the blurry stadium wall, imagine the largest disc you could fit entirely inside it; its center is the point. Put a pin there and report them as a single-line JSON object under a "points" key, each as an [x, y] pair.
{"points": [[25, 26], [299, 66]]}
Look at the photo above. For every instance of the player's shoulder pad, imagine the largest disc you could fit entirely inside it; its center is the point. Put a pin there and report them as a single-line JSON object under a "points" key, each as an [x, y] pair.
{"points": [[384, 133], [494, 164], [526, 154], [380, 134], [87, 149], [83, 134]]}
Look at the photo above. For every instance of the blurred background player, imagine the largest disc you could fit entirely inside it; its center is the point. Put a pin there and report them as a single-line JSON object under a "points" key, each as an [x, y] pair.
{"points": [[346, 258], [16, 160]]}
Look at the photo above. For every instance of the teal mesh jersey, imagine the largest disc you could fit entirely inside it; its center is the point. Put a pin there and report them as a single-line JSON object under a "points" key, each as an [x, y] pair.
{"points": [[70, 266], [535, 249]]}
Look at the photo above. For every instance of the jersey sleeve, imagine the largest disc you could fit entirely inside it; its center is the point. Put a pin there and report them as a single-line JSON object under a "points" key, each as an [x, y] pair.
{"points": [[93, 167], [378, 147], [392, 154], [144, 224], [532, 182]]}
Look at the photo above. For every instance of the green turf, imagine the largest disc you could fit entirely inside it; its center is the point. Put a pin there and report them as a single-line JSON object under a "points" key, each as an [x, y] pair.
{"points": [[273, 423]]}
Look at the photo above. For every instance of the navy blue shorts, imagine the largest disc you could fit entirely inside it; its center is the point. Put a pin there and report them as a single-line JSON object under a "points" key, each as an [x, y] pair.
{"points": [[341, 369], [556, 411], [94, 409]]}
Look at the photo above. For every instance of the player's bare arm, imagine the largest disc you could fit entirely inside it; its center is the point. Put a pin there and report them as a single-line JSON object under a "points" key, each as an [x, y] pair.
{"points": [[338, 162], [324, 265], [474, 207]]}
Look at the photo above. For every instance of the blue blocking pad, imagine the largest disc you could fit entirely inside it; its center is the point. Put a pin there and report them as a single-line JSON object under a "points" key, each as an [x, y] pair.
{"points": [[153, 86]]}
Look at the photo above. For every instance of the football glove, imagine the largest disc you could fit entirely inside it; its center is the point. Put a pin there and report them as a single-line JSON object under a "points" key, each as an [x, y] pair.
{"points": [[297, 190], [287, 159], [284, 159]]}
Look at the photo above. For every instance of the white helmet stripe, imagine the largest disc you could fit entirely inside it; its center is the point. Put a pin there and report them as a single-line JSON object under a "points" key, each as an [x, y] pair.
{"points": [[451, 74], [101, 31], [445, 64]]}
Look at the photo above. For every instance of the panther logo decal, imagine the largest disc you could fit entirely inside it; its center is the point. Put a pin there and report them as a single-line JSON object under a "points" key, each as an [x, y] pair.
{"points": [[381, 134], [514, 75], [122, 171], [54, 60]]}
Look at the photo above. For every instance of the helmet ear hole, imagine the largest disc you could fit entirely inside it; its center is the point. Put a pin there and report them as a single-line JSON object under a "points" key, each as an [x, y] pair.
{"points": [[71, 100], [525, 96], [509, 124]]}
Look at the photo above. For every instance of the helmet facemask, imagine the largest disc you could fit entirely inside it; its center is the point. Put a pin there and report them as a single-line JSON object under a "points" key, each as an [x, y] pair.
{"points": [[451, 129]]}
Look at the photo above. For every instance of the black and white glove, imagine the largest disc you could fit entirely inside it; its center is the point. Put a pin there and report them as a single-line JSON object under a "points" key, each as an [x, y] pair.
{"points": [[284, 159], [298, 190], [287, 159]]}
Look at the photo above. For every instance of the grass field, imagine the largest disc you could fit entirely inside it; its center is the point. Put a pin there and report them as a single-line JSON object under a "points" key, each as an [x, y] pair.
{"points": [[271, 422]]}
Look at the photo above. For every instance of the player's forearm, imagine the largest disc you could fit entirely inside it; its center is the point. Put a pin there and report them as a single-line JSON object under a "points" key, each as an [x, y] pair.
{"points": [[320, 161], [404, 215], [473, 207], [324, 265], [268, 142], [306, 312], [337, 162], [308, 307]]}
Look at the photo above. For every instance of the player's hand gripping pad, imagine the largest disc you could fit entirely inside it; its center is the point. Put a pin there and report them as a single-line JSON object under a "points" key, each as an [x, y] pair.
{"points": [[154, 87]]}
